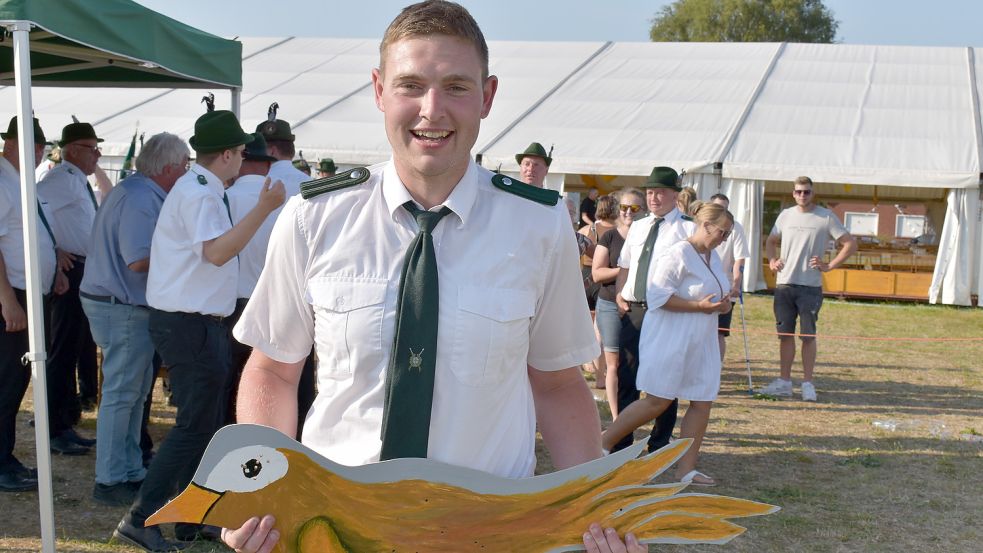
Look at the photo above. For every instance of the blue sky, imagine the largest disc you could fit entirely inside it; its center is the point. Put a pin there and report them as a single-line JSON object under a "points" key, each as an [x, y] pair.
{"points": [[905, 22]]}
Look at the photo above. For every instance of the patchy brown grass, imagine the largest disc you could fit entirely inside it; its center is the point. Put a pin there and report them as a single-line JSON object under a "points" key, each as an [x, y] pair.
{"points": [[843, 483]]}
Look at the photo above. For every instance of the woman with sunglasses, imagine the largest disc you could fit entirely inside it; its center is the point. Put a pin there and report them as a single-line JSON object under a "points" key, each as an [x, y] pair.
{"points": [[604, 270], [678, 352]]}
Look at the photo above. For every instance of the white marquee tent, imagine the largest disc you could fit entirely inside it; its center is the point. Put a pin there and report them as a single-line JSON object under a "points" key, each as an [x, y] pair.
{"points": [[734, 116]]}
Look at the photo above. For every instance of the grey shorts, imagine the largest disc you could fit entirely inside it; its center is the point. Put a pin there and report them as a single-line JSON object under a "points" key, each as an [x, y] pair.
{"points": [[804, 302]]}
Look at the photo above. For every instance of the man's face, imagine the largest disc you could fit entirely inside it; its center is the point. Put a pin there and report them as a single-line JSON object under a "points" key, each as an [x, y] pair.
{"points": [[433, 98], [84, 154], [533, 170], [592, 194], [722, 203], [660, 201], [325, 174], [802, 195], [11, 152]]}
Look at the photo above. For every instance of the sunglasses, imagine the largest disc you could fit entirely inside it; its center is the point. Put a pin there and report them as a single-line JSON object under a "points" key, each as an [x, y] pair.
{"points": [[628, 207], [802, 192]]}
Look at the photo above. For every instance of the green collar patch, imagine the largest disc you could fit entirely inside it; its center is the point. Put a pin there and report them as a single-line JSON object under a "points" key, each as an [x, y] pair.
{"points": [[314, 188], [202, 180], [540, 195], [685, 217]]}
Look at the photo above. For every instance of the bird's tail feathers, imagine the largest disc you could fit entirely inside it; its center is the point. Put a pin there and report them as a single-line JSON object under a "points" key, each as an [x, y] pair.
{"points": [[682, 528]]}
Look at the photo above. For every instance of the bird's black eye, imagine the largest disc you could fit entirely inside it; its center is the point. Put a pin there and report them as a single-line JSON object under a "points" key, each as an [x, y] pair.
{"points": [[251, 468]]}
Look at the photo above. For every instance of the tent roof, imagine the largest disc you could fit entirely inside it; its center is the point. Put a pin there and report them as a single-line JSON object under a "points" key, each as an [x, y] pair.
{"points": [[885, 115], [117, 43]]}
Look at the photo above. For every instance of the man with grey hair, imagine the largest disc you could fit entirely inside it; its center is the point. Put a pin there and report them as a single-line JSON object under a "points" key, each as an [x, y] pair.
{"points": [[113, 295]]}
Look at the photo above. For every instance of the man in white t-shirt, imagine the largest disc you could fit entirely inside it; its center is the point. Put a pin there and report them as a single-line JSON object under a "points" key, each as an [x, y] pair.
{"points": [[733, 253], [803, 231]]}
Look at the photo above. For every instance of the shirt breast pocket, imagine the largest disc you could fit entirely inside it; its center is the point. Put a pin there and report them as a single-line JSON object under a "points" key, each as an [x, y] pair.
{"points": [[348, 316], [491, 334]]}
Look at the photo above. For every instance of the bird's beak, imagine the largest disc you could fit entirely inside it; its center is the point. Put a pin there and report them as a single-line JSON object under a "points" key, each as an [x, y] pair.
{"points": [[190, 506]]}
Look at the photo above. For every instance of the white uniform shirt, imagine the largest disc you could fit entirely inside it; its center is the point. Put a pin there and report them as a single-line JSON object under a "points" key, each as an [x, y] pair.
{"points": [[291, 177], [735, 247], [510, 295], [673, 229], [243, 195], [65, 190], [180, 278], [12, 233]]}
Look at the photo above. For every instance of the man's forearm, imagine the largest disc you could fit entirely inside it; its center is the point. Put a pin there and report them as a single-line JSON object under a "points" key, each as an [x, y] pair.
{"points": [[848, 248], [219, 251]]}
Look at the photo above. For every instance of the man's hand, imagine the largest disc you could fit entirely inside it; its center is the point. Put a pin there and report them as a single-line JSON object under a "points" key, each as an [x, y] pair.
{"points": [[598, 540], [735, 287], [65, 260], [271, 197], [61, 283], [255, 536], [816, 263], [13, 315], [776, 264]]}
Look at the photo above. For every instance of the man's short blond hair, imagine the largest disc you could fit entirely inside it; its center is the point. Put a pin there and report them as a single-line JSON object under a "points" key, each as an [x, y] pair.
{"points": [[804, 180], [435, 17]]}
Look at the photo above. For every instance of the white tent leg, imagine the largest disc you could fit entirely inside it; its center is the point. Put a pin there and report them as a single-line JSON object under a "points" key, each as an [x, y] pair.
{"points": [[36, 354], [236, 101]]}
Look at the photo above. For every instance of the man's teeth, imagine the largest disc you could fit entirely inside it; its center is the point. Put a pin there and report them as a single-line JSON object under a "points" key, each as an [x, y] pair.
{"points": [[432, 134]]}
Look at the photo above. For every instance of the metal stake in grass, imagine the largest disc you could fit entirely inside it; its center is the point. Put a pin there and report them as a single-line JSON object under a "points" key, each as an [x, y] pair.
{"points": [[747, 354]]}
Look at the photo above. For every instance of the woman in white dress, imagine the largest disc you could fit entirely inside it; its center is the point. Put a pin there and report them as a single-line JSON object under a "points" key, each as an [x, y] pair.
{"points": [[678, 355]]}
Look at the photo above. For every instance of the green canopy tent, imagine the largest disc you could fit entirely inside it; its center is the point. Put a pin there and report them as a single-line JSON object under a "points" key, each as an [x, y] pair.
{"points": [[109, 43]]}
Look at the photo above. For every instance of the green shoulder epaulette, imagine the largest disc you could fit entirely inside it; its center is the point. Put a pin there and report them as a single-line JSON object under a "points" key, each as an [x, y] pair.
{"points": [[529, 192], [685, 217], [313, 188]]}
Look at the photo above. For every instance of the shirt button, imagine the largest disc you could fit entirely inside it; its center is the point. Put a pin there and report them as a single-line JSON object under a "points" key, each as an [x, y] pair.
{"points": [[339, 302]]}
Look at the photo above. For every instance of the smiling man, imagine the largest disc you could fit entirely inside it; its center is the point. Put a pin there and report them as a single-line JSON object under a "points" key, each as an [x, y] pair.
{"points": [[435, 256]]}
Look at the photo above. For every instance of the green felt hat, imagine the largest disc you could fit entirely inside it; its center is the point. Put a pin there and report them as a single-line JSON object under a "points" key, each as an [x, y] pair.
{"points": [[327, 165], [256, 150], [77, 131], [218, 130], [277, 129], [536, 150], [302, 164], [663, 177], [12, 131]]}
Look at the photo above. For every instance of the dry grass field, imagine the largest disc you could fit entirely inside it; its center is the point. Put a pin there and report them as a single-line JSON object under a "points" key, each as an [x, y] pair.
{"points": [[844, 483]]}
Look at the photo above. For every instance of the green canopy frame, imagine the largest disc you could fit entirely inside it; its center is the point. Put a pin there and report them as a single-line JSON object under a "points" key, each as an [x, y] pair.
{"points": [[115, 43]]}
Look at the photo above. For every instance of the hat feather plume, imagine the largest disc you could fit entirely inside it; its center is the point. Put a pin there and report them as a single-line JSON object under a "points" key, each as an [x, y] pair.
{"points": [[271, 113], [209, 101], [550, 154], [75, 119]]}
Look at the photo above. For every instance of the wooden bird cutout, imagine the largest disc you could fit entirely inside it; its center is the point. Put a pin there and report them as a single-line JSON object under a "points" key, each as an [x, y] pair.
{"points": [[416, 505]]}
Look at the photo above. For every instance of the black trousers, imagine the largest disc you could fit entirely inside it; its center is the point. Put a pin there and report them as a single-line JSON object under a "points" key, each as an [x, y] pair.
{"points": [[631, 329], [71, 347], [195, 349], [306, 388], [14, 379]]}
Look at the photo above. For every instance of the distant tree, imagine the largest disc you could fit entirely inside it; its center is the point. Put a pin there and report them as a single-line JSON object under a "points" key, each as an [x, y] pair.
{"points": [[744, 21]]}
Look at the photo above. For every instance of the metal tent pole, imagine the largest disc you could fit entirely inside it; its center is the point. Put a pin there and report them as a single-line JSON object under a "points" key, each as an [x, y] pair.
{"points": [[36, 354]]}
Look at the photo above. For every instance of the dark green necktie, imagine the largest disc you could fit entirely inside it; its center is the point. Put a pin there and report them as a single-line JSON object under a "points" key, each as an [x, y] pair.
{"points": [[412, 361], [642, 271], [228, 210], [92, 196]]}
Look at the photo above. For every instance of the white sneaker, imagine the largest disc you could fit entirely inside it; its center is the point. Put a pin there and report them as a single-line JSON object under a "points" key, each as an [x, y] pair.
{"points": [[778, 387], [808, 392]]}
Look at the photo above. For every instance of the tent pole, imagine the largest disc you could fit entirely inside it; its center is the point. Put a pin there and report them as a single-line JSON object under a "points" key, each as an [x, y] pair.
{"points": [[236, 94], [36, 354]]}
